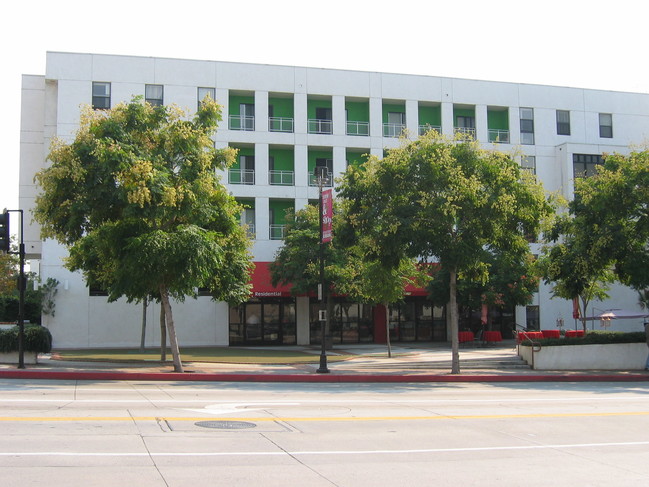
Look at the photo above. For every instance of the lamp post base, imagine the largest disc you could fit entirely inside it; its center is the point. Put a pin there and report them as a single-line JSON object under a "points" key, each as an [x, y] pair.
{"points": [[323, 365]]}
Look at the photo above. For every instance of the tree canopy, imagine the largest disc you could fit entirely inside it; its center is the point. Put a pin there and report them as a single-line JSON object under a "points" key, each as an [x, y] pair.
{"points": [[448, 202], [136, 198]]}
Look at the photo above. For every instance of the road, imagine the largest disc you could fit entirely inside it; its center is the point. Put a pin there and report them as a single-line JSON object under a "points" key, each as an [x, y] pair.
{"points": [[73, 433]]}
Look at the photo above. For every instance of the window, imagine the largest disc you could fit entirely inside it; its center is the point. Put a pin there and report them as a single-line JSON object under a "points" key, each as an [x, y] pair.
{"points": [[203, 92], [465, 122], [527, 126], [563, 122], [153, 94], [606, 125], [528, 163], [100, 95], [584, 165]]}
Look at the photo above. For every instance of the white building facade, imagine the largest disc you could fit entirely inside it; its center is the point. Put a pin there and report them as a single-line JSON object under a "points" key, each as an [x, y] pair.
{"points": [[286, 121]]}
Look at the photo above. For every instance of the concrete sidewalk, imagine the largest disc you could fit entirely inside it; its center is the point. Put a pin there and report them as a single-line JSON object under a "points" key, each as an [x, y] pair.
{"points": [[368, 363]]}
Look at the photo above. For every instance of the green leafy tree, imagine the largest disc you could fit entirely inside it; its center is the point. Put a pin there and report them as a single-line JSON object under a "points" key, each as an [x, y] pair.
{"points": [[612, 209], [511, 281], [346, 272], [445, 202], [136, 199], [571, 263]]}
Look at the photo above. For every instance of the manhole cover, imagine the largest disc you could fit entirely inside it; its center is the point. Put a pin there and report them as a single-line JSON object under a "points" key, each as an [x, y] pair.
{"points": [[226, 425]]}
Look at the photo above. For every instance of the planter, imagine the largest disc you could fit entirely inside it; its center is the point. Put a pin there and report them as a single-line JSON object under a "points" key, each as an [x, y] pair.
{"points": [[614, 356], [30, 358]]}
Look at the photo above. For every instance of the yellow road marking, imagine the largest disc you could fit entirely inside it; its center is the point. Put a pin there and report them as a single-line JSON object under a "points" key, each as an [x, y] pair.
{"points": [[317, 419]]}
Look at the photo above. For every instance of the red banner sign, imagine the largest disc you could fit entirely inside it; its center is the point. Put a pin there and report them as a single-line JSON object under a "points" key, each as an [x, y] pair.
{"points": [[327, 215]]}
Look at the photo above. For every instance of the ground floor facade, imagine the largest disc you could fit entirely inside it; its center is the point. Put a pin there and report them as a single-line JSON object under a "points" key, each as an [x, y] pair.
{"points": [[274, 317]]}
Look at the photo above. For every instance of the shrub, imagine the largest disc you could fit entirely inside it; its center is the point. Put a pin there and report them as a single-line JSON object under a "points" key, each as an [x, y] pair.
{"points": [[37, 339], [593, 338]]}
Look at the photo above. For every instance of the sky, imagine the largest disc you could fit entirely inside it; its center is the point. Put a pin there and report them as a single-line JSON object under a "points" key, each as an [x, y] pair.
{"points": [[584, 44]]}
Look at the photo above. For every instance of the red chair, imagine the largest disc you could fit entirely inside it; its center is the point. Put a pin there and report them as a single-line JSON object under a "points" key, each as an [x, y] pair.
{"points": [[492, 336], [551, 333], [465, 336]]}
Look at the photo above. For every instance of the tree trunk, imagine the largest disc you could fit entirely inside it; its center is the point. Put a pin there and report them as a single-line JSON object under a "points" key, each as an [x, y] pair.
{"points": [[455, 340], [387, 330], [163, 334], [143, 337], [173, 340]]}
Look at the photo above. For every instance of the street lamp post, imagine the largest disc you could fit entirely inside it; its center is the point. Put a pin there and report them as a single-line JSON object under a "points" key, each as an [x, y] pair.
{"points": [[321, 177]]}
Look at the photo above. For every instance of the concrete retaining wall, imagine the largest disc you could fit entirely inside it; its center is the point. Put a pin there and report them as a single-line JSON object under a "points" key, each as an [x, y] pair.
{"points": [[12, 358], [617, 356]]}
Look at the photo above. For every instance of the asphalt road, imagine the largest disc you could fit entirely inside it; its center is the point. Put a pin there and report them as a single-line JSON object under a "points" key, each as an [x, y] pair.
{"points": [[83, 433]]}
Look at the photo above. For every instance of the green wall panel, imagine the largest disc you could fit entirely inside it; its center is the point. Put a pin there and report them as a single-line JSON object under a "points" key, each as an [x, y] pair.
{"points": [[284, 159], [318, 154], [358, 111], [430, 115], [235, 101], [313, 104], [279, 209], [282, 107], [498, 119]]}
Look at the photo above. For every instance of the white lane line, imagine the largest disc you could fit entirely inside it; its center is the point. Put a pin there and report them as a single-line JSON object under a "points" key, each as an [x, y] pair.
{"points": [[351, 401], [324, 452]]}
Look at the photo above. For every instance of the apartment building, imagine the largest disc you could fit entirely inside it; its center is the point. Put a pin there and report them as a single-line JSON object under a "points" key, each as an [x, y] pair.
{"points": [[286, 121]]}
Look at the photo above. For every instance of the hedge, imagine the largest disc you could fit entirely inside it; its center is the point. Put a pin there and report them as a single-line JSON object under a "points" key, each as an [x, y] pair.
{"points": [[593, 338], [37, 339]]}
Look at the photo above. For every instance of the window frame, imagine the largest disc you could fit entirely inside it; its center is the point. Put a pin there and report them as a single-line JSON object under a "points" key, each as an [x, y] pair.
{"points": [[207, 91], [97, 97], [151, 100], [526, 125], [603, 134], [563, 122]]}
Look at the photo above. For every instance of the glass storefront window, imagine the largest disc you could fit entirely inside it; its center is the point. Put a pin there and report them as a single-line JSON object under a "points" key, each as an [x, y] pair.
{"points": [[263, 322]]}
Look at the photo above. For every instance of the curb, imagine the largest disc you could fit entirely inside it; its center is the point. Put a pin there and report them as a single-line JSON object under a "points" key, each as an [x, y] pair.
{"points": [[315, 378]]}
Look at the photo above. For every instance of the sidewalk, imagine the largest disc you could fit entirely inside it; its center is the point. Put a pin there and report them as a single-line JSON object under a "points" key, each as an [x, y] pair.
{"points": [[368, 364]]}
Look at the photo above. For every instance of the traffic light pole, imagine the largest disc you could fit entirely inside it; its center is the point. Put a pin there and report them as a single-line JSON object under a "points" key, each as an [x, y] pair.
{"points": [[22, 283]]}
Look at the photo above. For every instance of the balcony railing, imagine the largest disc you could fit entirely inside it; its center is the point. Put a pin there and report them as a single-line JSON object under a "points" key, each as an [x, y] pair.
{"points": [[320, 126], [313, 180], [241, 122], [499, 136], [241, 176], [393, 129], [281, 178], [427, 128], [466, 131], [358, 128], [280, 124], [276, 232]]}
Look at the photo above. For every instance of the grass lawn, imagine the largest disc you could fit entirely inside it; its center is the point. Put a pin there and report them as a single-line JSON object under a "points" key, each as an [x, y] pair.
{"points": [[199, 354]]}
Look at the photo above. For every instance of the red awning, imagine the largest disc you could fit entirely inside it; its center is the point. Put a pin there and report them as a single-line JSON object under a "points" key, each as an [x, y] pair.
{"points": [[262, 286]]}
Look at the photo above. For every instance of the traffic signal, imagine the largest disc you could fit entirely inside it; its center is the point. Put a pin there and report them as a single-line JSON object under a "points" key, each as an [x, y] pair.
{"points": [[4, 231]]}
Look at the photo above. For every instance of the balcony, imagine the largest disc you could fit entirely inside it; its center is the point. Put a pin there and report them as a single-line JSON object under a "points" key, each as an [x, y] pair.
{"points": [[393, 129], [241, 176], [427, 128], [468, 132], [281, 178], [499, 136], [276, 232], [241, 122], [358, 128], [280, 124], [320, 126]]}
